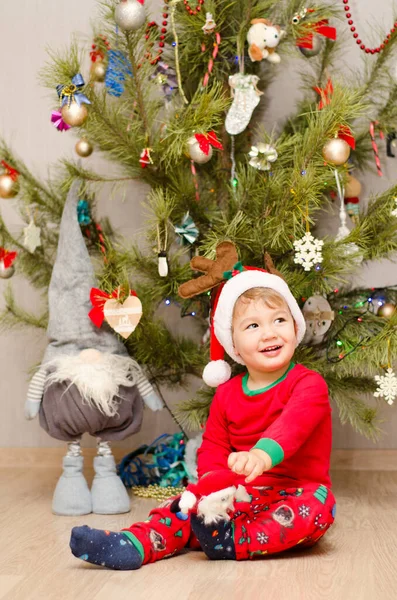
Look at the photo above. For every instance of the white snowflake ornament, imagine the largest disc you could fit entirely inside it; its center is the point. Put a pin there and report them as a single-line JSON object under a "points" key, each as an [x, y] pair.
{"points": [[387, 386], [394, 212], [261, 156], [32, 237], [308, 251]]}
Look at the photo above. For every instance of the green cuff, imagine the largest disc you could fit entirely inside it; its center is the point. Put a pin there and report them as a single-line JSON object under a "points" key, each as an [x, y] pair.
{"points": [[135, 542], [272, 448]]}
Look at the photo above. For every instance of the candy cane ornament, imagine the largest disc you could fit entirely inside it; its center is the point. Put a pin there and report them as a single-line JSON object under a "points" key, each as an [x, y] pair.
{"points": [[195, 181], [375, 146], [211, 60]]}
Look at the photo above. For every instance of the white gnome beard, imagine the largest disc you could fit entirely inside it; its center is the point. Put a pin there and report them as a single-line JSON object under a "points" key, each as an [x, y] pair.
{"points": [[98, 382], [215, 507]]}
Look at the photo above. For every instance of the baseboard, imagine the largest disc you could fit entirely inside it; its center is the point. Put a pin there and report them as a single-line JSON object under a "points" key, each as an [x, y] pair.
{"points": [[352, 459]]}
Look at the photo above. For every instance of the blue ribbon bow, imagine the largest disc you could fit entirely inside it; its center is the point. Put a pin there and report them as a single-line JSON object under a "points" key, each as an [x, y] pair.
{"points": [[71, 91], [187, 231]]}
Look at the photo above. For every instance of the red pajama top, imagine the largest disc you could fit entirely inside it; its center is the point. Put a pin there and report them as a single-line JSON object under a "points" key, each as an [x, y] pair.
{"points": [[289, 419]]}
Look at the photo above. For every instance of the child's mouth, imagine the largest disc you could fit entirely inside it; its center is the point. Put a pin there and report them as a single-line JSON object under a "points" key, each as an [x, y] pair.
{"points": [[272, 350]]}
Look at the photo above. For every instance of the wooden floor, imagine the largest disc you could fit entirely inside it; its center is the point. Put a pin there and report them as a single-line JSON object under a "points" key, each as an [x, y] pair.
{"points": [[356, 560]]}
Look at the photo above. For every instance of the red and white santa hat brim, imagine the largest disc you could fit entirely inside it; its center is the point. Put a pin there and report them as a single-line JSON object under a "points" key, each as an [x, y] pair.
{"points": [[218, 370]]}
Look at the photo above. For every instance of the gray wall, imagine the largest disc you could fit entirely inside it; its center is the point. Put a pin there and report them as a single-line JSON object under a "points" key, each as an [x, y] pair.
{"points": [[26, 29]]}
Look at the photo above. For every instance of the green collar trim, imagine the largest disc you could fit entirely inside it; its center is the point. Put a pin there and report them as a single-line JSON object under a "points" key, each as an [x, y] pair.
{"points": [[249, 392]]}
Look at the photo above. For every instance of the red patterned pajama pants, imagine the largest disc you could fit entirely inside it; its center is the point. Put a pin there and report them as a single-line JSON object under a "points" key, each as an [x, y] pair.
{"points": [[276, 519]]}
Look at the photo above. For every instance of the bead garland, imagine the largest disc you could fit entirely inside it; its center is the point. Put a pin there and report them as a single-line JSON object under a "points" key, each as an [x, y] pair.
{"points": [[193, 11], [155, 59], [357, 38]]}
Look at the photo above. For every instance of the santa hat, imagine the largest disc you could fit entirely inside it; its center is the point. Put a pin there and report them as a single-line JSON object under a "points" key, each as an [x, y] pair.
{"points": [[214, 481], [241, 279]]}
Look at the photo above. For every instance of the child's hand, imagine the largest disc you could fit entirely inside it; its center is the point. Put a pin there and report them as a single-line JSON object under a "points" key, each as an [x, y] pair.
{"points": [[252, 463]]}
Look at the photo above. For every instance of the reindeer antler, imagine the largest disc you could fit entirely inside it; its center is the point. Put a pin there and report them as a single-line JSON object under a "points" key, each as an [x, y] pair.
{"points": [[226, 258], [270, 266]]}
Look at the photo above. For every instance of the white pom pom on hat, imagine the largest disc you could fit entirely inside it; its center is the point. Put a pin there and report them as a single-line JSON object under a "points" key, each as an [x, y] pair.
{"points": [[218, 371]]}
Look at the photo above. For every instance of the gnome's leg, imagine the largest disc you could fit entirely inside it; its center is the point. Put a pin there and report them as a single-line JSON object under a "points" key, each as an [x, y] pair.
{"points": [[109, 496], [72, 495]]}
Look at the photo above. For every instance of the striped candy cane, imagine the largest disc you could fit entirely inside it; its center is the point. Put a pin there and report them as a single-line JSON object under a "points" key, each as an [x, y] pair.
{"points": [[375, 146], [195, 181], [211, 60]]}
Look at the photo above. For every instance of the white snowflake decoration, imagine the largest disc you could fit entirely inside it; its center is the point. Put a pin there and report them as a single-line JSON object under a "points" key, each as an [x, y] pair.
{"points": [[394, 212], [387, 386], [308, 251], [32, 237], [304, 511], [262, 537], [261, 156]]}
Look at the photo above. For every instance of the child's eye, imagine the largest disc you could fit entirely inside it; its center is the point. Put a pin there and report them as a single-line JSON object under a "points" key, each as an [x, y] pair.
{"points": [[281, 319], [252, 326]]}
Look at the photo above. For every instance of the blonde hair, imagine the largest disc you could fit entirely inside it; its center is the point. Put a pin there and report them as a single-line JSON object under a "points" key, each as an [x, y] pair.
{"points": [[270, 297]]}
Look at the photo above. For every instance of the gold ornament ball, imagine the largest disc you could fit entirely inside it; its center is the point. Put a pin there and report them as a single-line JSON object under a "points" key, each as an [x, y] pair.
{"points": [[353, 187], [74, 115], [317, 47], [6, 273], [84, 148], [98, 71], [196, 153], [386, 310], [336, 151], [9, 187], [129, 15]]}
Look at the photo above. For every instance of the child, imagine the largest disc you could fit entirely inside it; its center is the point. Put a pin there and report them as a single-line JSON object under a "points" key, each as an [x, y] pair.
{"points": [[271, 425]]}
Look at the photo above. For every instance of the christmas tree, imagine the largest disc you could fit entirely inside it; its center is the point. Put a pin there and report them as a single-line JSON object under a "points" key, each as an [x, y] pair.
{"points": [[177, 103]]}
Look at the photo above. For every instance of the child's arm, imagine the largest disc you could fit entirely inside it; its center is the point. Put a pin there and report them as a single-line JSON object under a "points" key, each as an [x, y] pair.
{"points": [[307, 407], [215, 448]]}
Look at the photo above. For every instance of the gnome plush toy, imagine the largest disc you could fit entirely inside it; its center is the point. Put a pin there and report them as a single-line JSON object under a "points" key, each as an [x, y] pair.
{"points": [[212, 498], [87, 383]]}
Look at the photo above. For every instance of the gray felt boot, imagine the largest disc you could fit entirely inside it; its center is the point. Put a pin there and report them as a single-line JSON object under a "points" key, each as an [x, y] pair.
{"points": [[72, 495], [109, 496]]}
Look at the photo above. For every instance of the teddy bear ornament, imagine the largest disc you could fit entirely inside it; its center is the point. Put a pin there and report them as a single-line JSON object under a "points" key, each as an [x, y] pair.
{"points": [[263, 38]]}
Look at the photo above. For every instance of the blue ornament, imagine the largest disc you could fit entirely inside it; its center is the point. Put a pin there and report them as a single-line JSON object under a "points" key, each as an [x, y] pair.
{"points": [[83, 212], [187, 231], [119, 68]]}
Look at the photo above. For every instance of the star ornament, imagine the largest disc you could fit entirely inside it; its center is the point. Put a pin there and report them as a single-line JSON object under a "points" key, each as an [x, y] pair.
{"points": [[32, 237], [308, 251], [387, 386]]}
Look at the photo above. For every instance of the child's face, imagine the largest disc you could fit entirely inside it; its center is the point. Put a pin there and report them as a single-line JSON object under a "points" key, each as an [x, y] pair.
{"points": [[264, 337]]}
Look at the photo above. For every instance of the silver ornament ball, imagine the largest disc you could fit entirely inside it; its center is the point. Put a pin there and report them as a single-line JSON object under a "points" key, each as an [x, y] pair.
{"points": [[336, 151], [196, 153], [6, 273], [317, 47], [129, 15]]}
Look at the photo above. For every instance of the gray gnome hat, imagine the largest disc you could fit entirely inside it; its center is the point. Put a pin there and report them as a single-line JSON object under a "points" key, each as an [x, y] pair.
{"points": [[70, 330]]}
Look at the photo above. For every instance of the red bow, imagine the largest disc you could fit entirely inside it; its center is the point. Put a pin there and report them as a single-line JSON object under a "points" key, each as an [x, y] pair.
{"points": [[322, 28], [7, 257], [98, 299], [344, 132], [13, 173], [205, 141], [325, 94]]}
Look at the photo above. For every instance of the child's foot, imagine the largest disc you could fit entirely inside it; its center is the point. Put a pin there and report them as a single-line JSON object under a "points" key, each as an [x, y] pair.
{"points": [[106, 548], [216, 540]]}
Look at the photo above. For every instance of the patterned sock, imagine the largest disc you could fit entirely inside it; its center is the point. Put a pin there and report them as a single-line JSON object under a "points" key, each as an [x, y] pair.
{"points": [[121, 551], [216, 540]]}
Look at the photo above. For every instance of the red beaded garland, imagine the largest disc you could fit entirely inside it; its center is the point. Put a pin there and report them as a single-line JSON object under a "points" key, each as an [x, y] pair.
{"points": [[193, 11], [355, 35], [154, 59]]}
